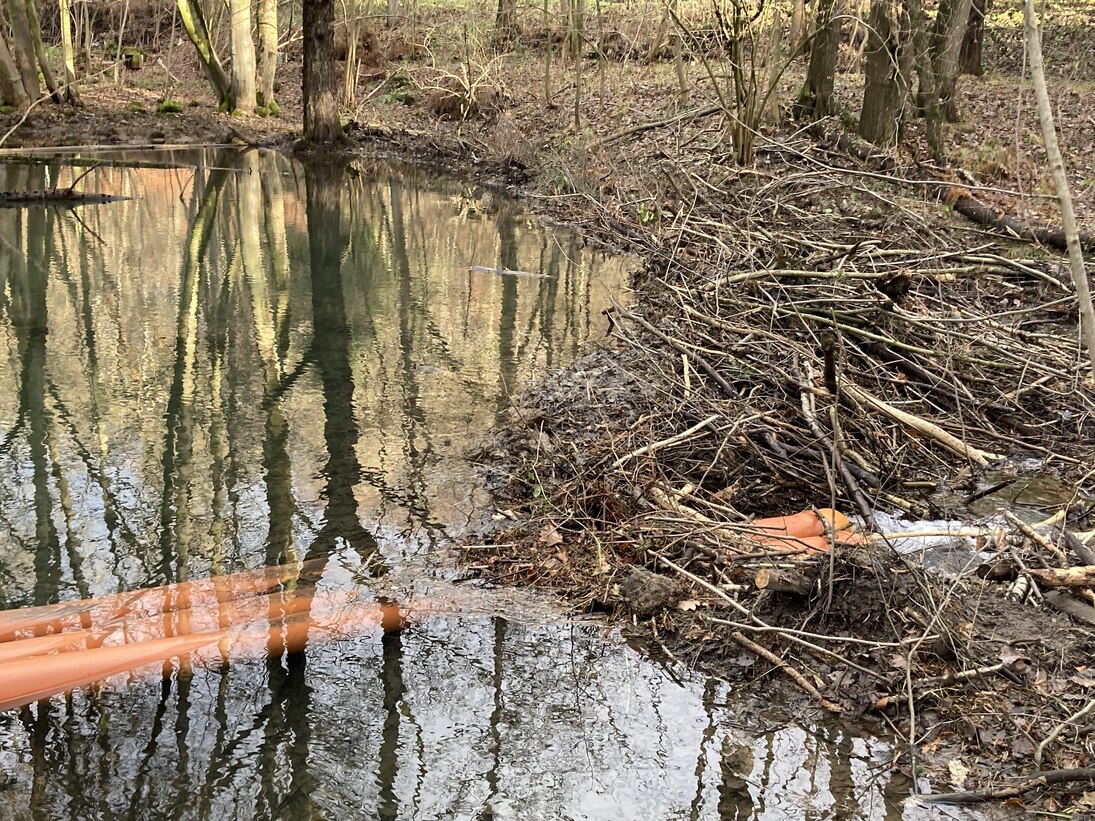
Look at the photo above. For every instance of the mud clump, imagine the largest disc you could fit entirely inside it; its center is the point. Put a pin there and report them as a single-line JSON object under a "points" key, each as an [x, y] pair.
{"points": [[647, 593]]}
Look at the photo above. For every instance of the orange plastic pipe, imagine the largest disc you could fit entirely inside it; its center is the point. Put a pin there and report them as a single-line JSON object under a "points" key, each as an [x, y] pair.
{"points": [[201, 617], [98, 611], [803, 524], [26, 680], [809, 544]]}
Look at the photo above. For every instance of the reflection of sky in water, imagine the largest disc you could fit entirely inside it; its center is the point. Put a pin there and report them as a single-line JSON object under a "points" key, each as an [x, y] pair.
{"points": [[258, 363]]}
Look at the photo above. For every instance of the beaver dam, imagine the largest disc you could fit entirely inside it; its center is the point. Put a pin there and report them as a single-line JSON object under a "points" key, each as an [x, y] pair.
{"points": [[232, 415], [803, 340]]}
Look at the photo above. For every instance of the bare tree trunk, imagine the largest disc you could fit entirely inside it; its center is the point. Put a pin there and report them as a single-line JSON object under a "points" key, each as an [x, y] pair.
{"points": [[973, 40], [321, 123], [350, 65], [68, 53], [574, 14], [12, 90], [774, 59], [40, 50], [395, 13], [243, 57], [574, 32], [857, 40], [928, 97], [658, 43], [505, 21], [1060, 181], [678, 63], [549, 48], [816, 97], [118, 45], [22, 48], [951, 25], [798, 25], [193, 20], [268, 53], [889, 58], [84, 34]]}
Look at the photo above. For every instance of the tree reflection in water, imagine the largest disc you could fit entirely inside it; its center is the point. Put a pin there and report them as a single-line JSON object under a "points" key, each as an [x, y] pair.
{"points": [[254, 363]]}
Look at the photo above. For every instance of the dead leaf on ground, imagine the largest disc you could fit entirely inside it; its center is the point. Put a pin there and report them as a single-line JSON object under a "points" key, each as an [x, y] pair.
{"points": [[959, 773], [688, 604], [549, 536], [1086, 801]]}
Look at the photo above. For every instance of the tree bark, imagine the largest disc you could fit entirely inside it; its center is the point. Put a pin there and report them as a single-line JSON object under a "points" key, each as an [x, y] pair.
{"points": [[1060, 182], [12, 90], [321, 123], [193, 20], [1065, 576], [950, 29], [816, 97], [505, 21], [798, 25], [268, 53], [928, 97], [973, 40], [68, 53], [243, 57], [889, 56], [22, 47], [40, 50]]}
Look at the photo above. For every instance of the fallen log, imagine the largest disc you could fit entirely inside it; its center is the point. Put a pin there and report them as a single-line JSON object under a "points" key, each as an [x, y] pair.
{"points": [[1073, 607], [982, 214], [55, 196]]}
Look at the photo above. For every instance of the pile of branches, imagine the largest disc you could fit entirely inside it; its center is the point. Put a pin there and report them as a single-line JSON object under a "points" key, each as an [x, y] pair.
{"points": [[787, 355]]}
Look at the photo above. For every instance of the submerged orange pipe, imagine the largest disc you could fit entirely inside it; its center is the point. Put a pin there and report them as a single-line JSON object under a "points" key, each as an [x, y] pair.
{"points": [[51, 649], [25, 680], [168, 598], [201, 617]]}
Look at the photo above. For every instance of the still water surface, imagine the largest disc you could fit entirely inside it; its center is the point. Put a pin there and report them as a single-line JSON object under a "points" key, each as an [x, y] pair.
{"points": [[252, 363]]}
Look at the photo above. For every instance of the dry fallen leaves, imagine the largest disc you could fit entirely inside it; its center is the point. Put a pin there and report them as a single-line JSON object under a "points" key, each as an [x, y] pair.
{"points": [[959, 773], [549, 536]]}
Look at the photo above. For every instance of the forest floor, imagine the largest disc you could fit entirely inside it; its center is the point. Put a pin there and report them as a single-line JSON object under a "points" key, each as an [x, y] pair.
{"points": [[816, 328]]}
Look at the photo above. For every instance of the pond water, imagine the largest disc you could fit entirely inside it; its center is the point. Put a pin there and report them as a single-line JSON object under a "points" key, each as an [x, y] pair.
{"points": [[250, 363]]}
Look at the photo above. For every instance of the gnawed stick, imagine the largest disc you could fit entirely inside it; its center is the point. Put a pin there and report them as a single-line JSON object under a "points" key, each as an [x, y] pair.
{"points": [[783, 581], [1036, 537], [787, 670], [1065, 576], [956, 677], [672, 440], [921, 425]]}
